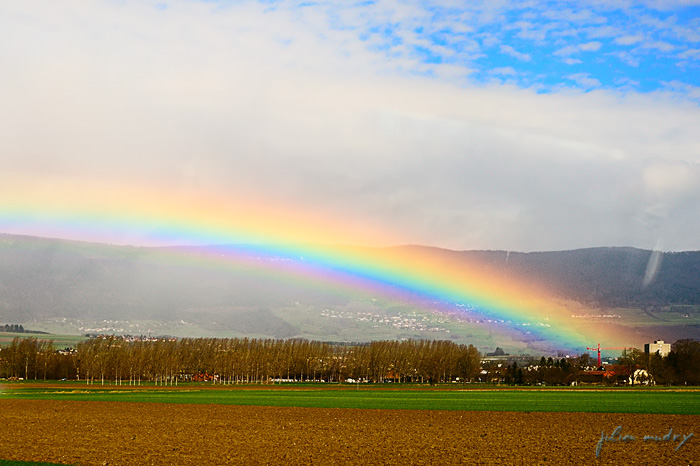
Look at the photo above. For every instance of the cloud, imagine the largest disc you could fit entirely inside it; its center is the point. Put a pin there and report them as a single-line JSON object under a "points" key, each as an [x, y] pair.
{"points": [[689, 34], [566, 51], [600, 32], [683, 89], [584, 80], [504, 71], [665, 5], [626, 83], [572, 61], [670, 179], [350, 121], [489, 40], [627, 57], [659, 45], [693, 54], [508, 50], [590, 46], [571, 16], [593, 46], [629, 39]]}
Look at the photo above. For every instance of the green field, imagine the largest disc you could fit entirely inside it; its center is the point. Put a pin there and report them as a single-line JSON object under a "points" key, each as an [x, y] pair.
{"points": [[59, 341], [652, 401]]}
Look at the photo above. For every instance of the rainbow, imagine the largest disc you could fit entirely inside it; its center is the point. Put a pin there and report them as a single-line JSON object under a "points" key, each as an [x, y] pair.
{"points": [[308, 246]]}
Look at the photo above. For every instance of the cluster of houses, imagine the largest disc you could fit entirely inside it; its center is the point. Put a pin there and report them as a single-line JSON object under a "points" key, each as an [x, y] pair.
{"points": [[605, 374], [623, 374], [413, 322]]}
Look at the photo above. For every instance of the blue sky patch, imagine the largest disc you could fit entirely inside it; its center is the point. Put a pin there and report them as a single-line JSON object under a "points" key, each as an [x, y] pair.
{"points": [[546, 45]]}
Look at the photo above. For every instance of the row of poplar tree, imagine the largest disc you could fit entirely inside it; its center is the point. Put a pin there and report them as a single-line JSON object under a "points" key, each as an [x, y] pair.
{"points": [[241, 360]]}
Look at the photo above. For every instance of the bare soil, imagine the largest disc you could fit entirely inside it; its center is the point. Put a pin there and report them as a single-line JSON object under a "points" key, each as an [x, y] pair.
{"points": [[116, 433]]}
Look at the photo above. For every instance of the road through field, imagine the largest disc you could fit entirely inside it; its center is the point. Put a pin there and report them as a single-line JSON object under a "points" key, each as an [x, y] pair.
{"points": [[125, 433]]}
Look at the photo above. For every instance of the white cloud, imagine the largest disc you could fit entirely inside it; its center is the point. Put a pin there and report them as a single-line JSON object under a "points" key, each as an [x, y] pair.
{"points": [[669, 4], [598, 32], [590, 46], [683, 89], [627, 57], [693, 54], [626, 83], [659, 45], [669, 179], [504, 71], [489, 40], [689, 34], [566, 51], [584, 80], [572, 61], [508, 50], [629, 39], [571, 16], [593, 46], [277, 107]]}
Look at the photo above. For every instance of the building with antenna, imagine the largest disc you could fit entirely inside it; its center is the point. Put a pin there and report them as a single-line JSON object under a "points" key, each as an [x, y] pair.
{"points": [[658, 347]]}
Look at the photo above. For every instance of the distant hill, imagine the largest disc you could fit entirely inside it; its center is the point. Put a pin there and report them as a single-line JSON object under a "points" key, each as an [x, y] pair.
{"points": [[44, 279], [606, 277]]}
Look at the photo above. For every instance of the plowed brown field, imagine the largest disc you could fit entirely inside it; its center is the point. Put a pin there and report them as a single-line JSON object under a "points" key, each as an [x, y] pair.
{"points": [[115, 433]]}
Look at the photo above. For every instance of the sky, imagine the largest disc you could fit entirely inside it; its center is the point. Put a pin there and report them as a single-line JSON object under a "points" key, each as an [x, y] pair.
{"points": [[524, 126]]}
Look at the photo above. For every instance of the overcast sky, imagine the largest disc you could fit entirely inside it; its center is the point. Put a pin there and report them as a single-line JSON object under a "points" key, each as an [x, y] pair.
{"points": [[499, 125]]}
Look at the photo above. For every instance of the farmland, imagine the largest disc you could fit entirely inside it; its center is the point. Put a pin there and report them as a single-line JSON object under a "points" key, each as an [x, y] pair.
{"points": [[383, 396], [83, 424], [59, 341]]}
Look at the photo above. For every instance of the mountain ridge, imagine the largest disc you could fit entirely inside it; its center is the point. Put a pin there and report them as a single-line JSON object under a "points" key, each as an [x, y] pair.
{"points": [[44, 279]]}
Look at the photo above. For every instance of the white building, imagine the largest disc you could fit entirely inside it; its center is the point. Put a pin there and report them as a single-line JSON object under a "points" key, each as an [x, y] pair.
{"points": [[658, 347]]}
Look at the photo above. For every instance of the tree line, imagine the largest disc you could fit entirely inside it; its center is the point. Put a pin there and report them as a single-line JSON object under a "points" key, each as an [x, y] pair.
{"points": [[30, 358], [17, 328], [241, 360], [14, 328], [249, 360]]}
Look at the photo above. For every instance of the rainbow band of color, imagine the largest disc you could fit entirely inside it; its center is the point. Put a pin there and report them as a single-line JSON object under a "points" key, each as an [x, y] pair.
{"points": [[410, 274]]}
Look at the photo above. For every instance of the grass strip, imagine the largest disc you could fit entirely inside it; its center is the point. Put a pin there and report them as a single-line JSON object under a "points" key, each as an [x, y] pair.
{"points": [[598, 401]]}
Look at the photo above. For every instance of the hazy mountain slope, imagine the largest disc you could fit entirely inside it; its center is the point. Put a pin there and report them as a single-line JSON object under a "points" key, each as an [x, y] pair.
{"points": [[608, 277], [42, 279]]}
